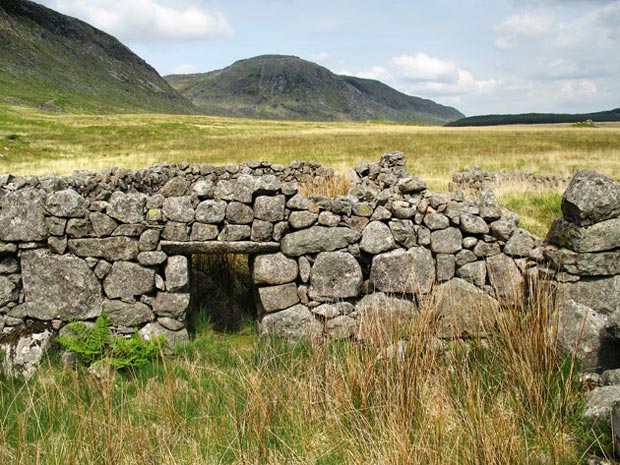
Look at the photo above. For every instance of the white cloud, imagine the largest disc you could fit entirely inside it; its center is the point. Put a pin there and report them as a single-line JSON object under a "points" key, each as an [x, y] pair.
{"points": [[376, 72], [421, 67], [577, 89], [518, 28], [186, 69], [147, 20], [319, 57]]}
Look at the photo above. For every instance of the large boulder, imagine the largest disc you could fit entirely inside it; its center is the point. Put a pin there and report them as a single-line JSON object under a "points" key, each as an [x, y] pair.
{"points": [[293, 323], [447, 240], [316, 239], [464, 310], [127, 280], [403, 272], [376, 238], [126, 208], [109, 248], [601, 294], [591, 198], [594, 238], [179, 209], [335, 276], [585, 264], [66, 203], [269, 208], [22, 216], [59, 286], [274, 269]]}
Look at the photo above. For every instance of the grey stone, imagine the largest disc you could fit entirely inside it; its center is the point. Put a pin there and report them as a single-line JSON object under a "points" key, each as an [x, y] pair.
{"points": [[316, 239], [126, 208], [109, 248], [22, 358], [126, 280], [9, 265], [171, 324], [203, 189], [179, 209], [380, 317], [403, 210], [154, 216], [403, 232], [469, 242], [59, 286], [377, 238], [239, 213], [329, 219], [294, 323], [595, 238], [582, 333], [170, 305], [298, 202], [502, 229], [506, 279], [8, 291], [267, 185], [269, 208], [102, 269], [475, 273], [473, 224], [361, 209], [411, 185], [57, 244], [79, 227], [341, 327], [464, 257], [335, 276], [243, 189], [329, 311], [304, 269], [446, 265], [177, 273], [56, 226], [591, 198], [488, 207], [381, 213], [66, 203], [261, 231], [174, 231], [302, 219], [435, 221], [486, 249], [152, 258], [204, 232], [235, 232], [438, 199], [172, 338], [275, 298], [149, 240], [611, 377], [102, 224], [125, 314], [211, 211], [400, 271], [600, 412], [464, 310], [22, 216], [424, 236], [585, 264], [223, 190], [274, 269], [175, 187], [447, 240], [601, 294], [520, 244]]}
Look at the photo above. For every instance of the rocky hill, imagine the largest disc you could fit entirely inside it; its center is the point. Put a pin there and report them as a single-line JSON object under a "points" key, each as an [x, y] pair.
{"points": [[287, 87], [55, 62]]}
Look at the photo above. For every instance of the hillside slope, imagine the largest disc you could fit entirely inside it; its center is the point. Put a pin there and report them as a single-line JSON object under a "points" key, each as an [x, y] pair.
{"points": [[537, 118], [287, 87], [55, 62]]}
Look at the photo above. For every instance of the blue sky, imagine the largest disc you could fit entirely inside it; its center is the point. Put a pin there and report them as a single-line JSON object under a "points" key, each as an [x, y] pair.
{"points": [[503, 56]]}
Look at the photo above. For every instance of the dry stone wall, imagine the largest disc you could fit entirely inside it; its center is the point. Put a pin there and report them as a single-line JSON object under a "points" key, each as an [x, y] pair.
{"points": [[121, 241]]}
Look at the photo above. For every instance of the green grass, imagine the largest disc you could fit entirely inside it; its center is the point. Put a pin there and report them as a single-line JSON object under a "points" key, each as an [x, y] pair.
{"points": [[236, 399]]}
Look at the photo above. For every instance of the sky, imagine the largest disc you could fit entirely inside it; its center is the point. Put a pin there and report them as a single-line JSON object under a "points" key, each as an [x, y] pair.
{"points": [[493, 56]]}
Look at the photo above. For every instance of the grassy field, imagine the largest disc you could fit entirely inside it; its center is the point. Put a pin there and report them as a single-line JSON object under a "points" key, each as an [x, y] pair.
{"points": [[38, 143]]}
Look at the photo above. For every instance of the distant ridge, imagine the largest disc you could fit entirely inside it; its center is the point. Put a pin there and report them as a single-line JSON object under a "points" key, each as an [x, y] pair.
{"points": [[287, 87], [537, 118], [55, 62]]}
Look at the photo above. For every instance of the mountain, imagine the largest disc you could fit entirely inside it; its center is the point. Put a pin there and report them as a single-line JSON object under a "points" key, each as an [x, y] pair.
{"points": [[537, 118], [287, 87], [52, 61]]}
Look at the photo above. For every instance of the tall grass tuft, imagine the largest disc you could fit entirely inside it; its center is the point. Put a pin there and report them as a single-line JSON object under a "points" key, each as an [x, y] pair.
{"points": [[404, 397]]}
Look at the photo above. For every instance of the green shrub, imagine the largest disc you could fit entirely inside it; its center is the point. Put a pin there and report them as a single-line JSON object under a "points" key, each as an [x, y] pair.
{"points": [[96, 343]]}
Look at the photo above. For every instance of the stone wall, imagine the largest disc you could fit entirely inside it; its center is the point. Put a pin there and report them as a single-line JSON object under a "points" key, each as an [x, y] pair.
{"points": [[476, 180], [121, 241]]}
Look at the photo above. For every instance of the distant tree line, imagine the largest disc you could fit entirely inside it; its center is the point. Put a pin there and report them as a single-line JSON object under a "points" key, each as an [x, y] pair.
{"points": [[537, 118]]}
